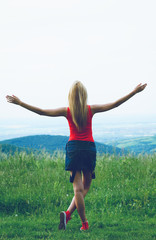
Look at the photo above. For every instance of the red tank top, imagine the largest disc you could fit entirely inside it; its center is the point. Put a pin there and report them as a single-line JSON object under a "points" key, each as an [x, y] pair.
{"points": [[86, 133]]}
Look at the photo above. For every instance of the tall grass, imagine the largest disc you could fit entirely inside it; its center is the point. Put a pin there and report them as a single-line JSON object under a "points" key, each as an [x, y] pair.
{"points": [[32, 184], [36, 186], [127, 184]]}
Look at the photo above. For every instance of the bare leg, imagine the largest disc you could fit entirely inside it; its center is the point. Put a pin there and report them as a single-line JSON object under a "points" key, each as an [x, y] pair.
{"points": [[72, 206], [79, 198], [85, 183]]}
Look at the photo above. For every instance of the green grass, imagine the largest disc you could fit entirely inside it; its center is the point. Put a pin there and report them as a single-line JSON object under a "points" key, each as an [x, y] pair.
{"points": [[35, 188]]}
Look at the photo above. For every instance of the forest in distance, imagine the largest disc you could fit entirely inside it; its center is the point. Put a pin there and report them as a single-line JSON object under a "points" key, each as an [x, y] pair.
{"points": [[141, 145]]}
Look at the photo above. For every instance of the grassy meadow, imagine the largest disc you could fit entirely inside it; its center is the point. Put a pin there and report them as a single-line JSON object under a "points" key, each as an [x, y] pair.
{"points": [[35, 188]]}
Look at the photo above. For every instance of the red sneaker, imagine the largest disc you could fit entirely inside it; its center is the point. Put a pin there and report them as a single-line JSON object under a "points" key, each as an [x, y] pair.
{"points": [[85, 226], [68, 216], [64, 218]]}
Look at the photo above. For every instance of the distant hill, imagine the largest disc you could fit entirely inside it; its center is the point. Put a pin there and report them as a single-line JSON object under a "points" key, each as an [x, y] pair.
{"points": [[48, 143], [7, 148], [138, 145]]}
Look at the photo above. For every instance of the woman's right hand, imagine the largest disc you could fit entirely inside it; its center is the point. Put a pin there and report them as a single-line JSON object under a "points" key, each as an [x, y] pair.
{"points": [[13, 99]]}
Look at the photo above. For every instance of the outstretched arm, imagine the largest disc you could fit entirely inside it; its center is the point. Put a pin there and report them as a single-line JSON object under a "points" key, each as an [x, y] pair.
{"points": [[109, 106], [46, 112]]}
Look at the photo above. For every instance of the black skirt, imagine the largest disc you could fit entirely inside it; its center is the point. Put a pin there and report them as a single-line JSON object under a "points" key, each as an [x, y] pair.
{"points": [[80, 155]]}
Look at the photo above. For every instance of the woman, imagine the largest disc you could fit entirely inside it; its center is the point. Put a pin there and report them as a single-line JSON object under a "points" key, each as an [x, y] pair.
{"points": [[80, 149]]}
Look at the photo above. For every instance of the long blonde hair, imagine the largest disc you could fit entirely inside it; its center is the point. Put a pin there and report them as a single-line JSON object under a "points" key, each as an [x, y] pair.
{"points": [[77, 99]]}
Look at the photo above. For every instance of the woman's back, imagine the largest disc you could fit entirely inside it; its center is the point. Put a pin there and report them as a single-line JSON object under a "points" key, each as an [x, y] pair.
{"points": [[85, 134]]}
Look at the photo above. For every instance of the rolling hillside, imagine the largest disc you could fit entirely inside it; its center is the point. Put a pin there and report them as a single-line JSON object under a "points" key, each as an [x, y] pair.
{"points": [[138, 145], [49, 143]]}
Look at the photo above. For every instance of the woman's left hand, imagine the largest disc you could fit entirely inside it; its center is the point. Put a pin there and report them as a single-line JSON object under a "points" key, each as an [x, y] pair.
{"points": [[140, 87]]}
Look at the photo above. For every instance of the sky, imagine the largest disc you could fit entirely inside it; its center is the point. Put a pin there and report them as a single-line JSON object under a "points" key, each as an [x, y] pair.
{"points": [[46, 45]]}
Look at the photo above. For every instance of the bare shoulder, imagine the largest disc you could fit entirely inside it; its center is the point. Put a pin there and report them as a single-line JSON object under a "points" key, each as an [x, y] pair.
{"points": [[97, 108], [62, 111], [94, 108], [57, 112]]}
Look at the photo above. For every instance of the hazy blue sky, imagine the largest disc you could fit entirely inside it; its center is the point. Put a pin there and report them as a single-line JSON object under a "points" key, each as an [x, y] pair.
{"points": [[108, 45]]}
